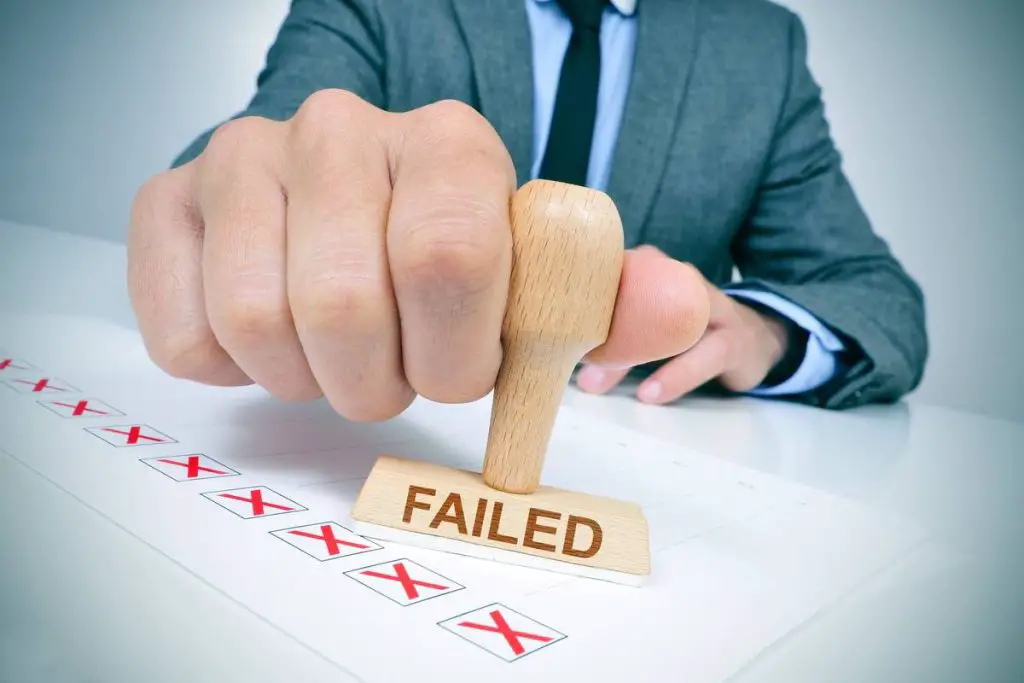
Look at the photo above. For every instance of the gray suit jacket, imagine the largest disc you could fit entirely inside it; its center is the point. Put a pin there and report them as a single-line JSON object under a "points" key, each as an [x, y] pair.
{"points": [[724, 157]]}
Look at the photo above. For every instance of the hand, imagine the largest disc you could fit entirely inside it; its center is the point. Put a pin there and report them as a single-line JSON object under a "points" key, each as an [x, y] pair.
{"points": [[348, 252], [738, 347]]}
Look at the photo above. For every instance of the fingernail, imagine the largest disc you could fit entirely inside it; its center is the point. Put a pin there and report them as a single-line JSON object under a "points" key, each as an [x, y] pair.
{"points": [[649, 391], [590, 378]]}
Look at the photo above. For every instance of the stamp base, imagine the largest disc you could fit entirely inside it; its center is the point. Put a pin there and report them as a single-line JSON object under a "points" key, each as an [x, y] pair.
{"points": [[427, 505]]}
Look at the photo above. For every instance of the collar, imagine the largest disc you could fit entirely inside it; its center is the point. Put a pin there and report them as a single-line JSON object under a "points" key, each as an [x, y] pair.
{"points": [[625, 7]]}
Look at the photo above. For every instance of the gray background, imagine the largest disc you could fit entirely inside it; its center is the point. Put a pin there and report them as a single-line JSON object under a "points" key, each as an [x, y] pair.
{"points": [[925, 97]]}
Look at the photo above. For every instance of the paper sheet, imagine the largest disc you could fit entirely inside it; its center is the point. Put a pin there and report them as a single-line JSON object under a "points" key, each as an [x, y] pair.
{"points": [[252, 495]]}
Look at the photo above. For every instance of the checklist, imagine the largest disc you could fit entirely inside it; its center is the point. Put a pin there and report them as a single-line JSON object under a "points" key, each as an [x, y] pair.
{"points": [[253, 496]]}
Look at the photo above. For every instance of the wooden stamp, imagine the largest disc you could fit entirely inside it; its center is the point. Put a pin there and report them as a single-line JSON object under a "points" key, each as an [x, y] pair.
{"points": [[566, 263], [456, 511]]}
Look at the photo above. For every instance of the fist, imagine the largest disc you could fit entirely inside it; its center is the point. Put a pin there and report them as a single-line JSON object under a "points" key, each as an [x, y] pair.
{"points": [[349, 253]]}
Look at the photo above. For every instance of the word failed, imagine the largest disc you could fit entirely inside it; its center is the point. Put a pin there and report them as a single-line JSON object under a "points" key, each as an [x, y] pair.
{"points": [[452, 511]]}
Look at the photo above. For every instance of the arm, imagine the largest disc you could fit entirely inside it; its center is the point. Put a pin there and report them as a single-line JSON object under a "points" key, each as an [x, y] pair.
{"points": [[321, 44], [808, 241]]}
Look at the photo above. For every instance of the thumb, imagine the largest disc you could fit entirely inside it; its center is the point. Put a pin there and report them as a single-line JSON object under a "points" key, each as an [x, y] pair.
{"points": [[662, 310]]}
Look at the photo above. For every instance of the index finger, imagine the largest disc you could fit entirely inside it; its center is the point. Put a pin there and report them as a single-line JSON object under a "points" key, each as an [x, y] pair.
{"points": [[450, 249]]}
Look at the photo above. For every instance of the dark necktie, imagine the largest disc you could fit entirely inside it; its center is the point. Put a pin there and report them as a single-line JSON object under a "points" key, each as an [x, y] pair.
{"points": [[572, 123]]}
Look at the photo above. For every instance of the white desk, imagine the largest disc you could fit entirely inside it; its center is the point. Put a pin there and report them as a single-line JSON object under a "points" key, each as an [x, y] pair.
{"points": [[91, 604]]}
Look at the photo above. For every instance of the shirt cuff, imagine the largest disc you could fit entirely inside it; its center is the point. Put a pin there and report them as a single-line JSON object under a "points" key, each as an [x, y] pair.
{"points": [[819, 362]]}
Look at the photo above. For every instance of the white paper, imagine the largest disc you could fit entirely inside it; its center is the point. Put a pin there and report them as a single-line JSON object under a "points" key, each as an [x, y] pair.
{"points": [[253, 496]]}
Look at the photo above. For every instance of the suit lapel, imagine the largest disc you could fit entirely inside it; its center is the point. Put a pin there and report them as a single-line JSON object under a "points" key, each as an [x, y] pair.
{"points": [[665, 44], [497, 34]]}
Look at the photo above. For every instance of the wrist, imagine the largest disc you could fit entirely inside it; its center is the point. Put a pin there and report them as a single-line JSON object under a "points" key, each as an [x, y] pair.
{"points": [[783, 343], [776, 338]]}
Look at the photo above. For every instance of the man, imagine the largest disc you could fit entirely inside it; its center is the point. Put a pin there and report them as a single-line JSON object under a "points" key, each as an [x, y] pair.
{"points": [[346, 235]]}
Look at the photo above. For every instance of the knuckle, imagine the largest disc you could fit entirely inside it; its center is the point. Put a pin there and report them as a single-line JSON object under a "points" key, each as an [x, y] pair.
{"points": [[248, 320], [323, 113], [235, 147], [328, 303], [240, 152], [328, 102], [453, 128], [456, 254], [453, 116], [149, 200], [145, 196], [234, 138]]}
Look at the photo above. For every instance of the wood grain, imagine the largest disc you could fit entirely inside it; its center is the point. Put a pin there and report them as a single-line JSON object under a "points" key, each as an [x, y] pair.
{"points": [[566, 263]]}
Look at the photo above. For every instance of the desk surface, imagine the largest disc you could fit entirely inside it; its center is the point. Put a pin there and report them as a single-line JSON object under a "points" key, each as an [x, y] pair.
{"points": [[74, 617]]}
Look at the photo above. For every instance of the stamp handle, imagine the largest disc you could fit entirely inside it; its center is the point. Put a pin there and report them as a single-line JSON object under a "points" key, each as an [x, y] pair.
{"points": [[566, 263]]}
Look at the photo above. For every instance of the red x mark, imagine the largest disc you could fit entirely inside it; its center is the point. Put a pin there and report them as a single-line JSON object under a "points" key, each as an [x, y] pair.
{"points": [[133, 434], [256, 500], [9, 363], [193, 467], [501, 626], [80, 408], [329, 538], [408, 583], [39, 385]]}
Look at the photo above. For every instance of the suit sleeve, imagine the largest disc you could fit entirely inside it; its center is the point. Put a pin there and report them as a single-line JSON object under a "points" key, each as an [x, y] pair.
{"points": [[321, 44], [808, 240]]}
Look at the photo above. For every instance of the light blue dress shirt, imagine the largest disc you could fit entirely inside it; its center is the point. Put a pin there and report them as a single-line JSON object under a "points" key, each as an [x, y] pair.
{"points": [[551, 31]]}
